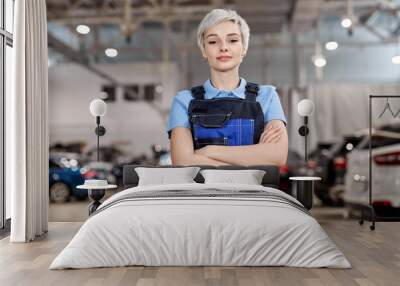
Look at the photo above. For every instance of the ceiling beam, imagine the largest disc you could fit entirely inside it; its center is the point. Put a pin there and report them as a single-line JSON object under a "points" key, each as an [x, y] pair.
{"points": [[64, 15], [78, 58]]}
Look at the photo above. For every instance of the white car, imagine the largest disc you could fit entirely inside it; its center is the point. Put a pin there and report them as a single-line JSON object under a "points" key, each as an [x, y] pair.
{"points": [[385, 171]]}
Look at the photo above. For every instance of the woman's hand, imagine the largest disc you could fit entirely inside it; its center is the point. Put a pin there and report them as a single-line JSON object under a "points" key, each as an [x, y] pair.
{"points": [[272, 133]]}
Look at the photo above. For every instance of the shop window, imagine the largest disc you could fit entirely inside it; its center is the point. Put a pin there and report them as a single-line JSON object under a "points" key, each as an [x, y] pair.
{"points": [[131, 93], [108, 93]]}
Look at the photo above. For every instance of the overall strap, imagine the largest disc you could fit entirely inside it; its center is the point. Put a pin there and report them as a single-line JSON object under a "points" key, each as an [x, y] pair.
{"points": [[251, 91], [198, 92]]}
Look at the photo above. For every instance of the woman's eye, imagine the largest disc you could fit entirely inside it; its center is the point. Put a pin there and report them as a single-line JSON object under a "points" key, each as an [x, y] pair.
{"points": [[234, 40], [211, 42]]}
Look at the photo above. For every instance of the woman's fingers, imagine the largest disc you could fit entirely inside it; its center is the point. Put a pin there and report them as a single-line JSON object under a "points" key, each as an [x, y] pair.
{"points": [[275, 139], [266, 132], [272, 136]]}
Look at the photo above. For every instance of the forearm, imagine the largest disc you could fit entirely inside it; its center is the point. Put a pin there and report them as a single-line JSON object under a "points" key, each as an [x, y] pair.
{"points": [[182, 152], [196, 159], [258, 154]]}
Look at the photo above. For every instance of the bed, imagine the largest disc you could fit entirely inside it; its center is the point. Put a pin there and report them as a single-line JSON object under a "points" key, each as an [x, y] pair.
{"points": [[201, 224]]}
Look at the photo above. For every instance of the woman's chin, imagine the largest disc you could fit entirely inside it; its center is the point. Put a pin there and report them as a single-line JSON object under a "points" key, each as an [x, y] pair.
{"points": [[225, 67]]}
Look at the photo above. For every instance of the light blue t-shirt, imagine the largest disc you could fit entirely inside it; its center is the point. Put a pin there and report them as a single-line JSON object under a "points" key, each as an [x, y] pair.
{"points": [[267, 97]]}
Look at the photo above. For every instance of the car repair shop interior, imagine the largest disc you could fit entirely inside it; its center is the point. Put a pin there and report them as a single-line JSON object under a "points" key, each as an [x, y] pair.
{"points": [[199, 142]]}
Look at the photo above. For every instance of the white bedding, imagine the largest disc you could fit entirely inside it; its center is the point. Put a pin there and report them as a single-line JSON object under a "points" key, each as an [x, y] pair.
{"points": [[200, 231]]}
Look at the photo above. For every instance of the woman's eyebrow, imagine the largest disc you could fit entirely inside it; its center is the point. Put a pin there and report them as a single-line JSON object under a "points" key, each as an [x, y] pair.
{"points": [[212, 35], [215, 35]]}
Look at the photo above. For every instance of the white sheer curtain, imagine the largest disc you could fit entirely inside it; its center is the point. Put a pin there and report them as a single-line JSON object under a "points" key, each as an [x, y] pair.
{"points": [[27, 123]]}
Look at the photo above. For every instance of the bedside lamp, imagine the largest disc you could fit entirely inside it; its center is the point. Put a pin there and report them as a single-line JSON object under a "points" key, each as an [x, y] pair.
{"points": [[305, 185], [305, 108], [98, 108], [96, 188]]}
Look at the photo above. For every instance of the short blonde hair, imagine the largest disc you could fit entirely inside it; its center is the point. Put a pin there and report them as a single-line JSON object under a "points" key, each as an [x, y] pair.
{"points": [[217, 16]]}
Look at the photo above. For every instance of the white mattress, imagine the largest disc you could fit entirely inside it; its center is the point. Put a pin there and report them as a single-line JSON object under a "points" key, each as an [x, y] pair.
{"points": [[200, 231]]}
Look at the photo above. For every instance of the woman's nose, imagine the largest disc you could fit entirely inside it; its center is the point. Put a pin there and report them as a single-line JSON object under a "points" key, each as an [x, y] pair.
{"points": [[223, 47]]}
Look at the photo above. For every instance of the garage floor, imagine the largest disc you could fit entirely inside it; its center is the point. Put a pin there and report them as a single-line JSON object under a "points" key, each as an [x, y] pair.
{"points": [[375, 257]]}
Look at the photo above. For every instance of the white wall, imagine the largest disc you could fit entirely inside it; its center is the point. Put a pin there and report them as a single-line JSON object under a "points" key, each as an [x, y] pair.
{"points": [[137, 124]]}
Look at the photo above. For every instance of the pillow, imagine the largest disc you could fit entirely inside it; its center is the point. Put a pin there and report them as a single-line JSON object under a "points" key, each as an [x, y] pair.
{"points": [[162, 176], [248, 177]]}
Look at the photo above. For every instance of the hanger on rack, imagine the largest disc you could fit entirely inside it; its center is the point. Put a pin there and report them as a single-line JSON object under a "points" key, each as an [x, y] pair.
{"points": [[387, 107]]}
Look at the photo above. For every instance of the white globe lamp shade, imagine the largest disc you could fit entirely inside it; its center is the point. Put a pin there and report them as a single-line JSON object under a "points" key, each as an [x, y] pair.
{"points": [[98, 107], [305, 107]]}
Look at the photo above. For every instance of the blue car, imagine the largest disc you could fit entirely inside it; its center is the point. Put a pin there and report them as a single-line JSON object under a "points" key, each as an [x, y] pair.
{"points": [[64, 177]]}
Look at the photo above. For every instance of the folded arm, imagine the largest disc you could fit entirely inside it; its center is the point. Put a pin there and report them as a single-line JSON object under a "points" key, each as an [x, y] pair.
{"points": [[272, 149], [182, 151]]}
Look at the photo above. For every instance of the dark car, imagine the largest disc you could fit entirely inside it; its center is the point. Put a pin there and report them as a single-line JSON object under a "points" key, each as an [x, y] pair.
{"points": [[64, 177], [330, 163]]}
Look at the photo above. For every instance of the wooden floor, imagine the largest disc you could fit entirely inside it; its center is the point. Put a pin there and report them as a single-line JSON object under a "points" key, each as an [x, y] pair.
{"points": [[375, 257]]}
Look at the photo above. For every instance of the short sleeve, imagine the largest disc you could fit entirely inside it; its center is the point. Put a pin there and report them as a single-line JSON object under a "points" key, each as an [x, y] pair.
{"points": [[178, 116], [273, 109]]}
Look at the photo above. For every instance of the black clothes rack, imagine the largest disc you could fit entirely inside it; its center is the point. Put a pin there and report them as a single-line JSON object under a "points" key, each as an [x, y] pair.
{"points": [[372, 215]]}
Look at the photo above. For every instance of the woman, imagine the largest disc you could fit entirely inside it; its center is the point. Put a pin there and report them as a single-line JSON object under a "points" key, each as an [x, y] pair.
{"points": [[227, 121]]}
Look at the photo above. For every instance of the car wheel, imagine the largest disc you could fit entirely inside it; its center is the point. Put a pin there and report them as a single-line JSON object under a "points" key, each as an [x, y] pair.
{"points": [[59, 192]]}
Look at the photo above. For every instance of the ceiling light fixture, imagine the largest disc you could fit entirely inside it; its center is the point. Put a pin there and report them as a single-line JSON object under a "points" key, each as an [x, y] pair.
{"points": [[318, 58], [83, 29], [346, 23], [396, 57], [319, 61], [349, 20], [331, 45], [112, 53]]}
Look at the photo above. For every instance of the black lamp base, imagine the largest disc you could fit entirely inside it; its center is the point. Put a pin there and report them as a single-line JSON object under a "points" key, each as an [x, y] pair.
{"points": [[96, 196]]}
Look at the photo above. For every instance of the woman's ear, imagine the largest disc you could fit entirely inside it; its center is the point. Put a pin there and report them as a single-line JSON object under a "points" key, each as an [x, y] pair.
{"points": [[203, 53]]}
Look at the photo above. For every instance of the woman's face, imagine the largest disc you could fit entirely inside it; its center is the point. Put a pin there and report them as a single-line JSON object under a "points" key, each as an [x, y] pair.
{"points": [[223, 47]]}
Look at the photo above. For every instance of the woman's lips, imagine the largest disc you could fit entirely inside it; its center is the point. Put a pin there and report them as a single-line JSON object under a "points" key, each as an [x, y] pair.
{"points": [[224, 58]]}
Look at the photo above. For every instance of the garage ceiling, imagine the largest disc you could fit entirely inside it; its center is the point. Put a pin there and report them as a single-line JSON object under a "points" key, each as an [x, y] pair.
{"points": [[263, 16], [138, 25]]}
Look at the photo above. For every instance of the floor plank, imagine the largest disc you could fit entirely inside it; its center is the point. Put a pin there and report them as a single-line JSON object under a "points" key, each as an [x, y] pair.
{"points": [[375, 257]]}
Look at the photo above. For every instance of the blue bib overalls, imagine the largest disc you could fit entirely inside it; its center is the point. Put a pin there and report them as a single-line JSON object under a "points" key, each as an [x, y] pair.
{"points": [[225, 121]]}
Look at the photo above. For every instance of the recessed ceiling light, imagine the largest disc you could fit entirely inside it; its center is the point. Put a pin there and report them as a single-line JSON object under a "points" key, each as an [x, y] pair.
{"points": [[112, 53], [83, 29], [332, 45], [346, 23], [319, 61]]}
